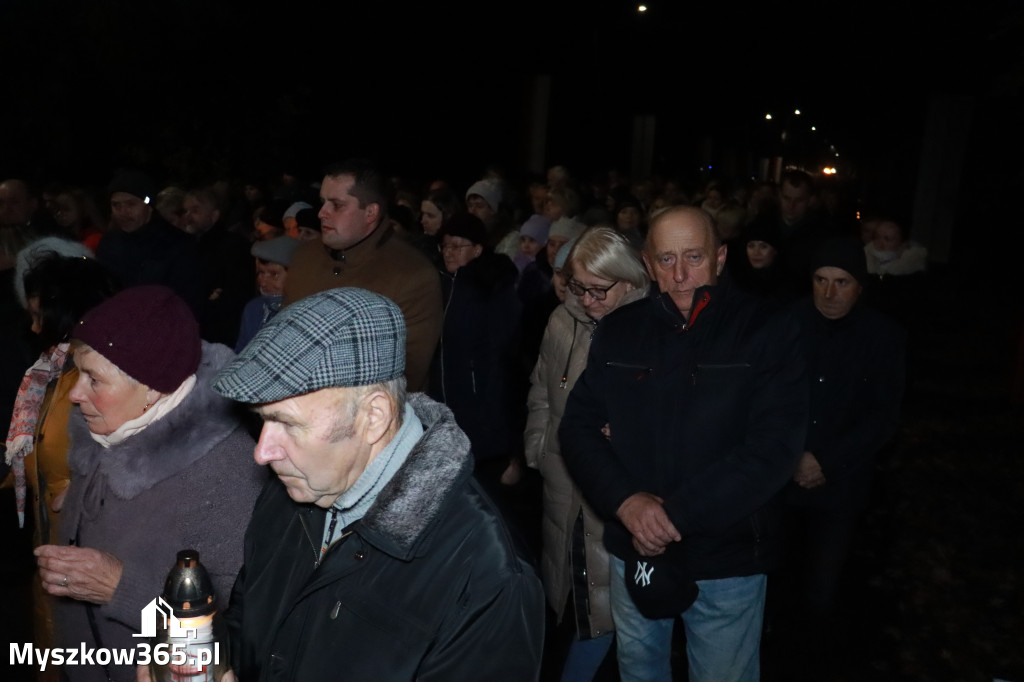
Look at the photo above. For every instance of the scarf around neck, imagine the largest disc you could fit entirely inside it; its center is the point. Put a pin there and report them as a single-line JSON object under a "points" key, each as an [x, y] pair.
{"points": [[27, 406]]}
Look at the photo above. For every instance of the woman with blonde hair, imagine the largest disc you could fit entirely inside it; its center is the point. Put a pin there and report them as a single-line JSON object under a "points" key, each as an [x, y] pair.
{"points": [[603, 272]]}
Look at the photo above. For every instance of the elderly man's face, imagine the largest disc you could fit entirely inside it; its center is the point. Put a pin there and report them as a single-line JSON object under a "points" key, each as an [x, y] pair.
{"points": [[681, 255], [835, 292], [313, 443], [128, 212], [343, 222]]}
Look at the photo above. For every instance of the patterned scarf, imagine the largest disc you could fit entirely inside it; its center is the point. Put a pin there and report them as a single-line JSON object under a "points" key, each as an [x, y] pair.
{"points": [[27, 406]]}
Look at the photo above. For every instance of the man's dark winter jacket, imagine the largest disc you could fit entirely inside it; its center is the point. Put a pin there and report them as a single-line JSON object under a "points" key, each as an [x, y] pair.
{"points": [[473, 372], [709, 415], [426, 586], [156, 253], [856, 372]]}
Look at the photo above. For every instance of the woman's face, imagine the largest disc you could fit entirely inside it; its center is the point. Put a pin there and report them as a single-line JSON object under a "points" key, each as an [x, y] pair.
{"points": [[559, 282], [714, 199], [554, 244], [629, 218], [594, 308], [105, 396], [529, 246], [430, 217], [457, 251], [760, 254], [553, 209], [888, 237]]}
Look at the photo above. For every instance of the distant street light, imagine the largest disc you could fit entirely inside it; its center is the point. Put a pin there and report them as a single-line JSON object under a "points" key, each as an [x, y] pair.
{"points": [[768, 117], [641, 8]]}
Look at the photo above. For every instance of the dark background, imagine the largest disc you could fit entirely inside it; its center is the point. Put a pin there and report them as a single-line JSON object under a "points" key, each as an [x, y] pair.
{"points": [[436, 89]]}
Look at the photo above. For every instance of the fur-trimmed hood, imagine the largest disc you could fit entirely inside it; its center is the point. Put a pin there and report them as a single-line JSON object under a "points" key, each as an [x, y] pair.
{"points": [[414, 498], [186, 434]]}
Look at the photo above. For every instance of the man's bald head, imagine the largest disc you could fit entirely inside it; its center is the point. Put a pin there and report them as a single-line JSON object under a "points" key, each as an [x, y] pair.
{"points": [[684, 252], [688, 214]]}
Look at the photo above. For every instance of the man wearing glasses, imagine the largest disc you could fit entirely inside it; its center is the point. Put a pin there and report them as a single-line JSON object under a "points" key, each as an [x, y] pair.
{"points": [[686, 423]]}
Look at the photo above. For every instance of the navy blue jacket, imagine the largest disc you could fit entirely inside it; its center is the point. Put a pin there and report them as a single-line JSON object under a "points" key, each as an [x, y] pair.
{"points": [[475, 364], [709, 415]]}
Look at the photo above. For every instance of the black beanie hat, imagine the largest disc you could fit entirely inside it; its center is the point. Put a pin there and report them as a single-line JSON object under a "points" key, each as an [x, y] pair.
{"points": [[467, 226], [845, 253]]}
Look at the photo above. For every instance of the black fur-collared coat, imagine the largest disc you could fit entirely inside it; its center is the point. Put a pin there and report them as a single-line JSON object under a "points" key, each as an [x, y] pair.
{"points": [[426, 586]]}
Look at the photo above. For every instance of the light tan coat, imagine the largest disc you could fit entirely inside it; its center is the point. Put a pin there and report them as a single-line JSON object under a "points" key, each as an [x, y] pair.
{"points": [[563, 354]]}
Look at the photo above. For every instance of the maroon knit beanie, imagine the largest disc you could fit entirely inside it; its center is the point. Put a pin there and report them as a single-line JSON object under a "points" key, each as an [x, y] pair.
{"points": [[148, 333]]}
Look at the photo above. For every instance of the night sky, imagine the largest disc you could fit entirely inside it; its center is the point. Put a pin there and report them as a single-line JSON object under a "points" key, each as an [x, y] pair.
{"points": [[198, 89]]}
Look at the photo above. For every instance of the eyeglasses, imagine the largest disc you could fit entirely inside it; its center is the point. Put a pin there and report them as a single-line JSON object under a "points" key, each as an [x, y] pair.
{"points": [[444, 248], [596, 293]]}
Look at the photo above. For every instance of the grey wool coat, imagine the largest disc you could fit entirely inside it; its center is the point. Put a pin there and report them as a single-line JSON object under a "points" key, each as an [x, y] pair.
{"points": [[188, 481], [563, 352]]}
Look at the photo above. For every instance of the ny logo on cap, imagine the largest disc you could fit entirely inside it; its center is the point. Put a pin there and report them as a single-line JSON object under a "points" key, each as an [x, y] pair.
{"points": [[643, 574]]}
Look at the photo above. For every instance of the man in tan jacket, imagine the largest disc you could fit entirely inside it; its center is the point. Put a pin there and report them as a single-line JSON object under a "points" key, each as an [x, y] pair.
{"points": [[358, 248]]}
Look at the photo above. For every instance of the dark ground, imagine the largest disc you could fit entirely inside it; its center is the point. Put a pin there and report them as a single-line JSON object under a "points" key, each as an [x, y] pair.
{"points": [[933, 590]]}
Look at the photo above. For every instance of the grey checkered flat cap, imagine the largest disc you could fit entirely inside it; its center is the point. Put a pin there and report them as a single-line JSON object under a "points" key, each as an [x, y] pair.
{"points": [[340, 337]]}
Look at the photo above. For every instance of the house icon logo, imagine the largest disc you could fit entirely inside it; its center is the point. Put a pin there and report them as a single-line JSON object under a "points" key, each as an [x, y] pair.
{"points": [[159, 608]]}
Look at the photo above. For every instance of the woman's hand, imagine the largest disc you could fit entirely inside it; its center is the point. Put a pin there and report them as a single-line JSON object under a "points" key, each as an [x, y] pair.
{"points": [[80, 573], [58, 502]]}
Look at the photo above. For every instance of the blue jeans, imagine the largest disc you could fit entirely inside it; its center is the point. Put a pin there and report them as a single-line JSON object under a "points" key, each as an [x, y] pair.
{"points": [[585, 657], [723, 632]]}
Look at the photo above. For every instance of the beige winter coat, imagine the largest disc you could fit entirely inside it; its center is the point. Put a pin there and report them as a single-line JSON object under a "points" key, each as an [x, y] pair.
{"points": [[563, 353]]}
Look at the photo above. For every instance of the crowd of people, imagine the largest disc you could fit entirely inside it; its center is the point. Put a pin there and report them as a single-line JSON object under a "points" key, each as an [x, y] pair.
{"points": [[701, 376]]}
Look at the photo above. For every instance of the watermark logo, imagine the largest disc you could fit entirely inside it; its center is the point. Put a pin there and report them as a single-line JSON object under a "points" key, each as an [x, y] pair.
{"points": [[188, 646], [159, 609]]}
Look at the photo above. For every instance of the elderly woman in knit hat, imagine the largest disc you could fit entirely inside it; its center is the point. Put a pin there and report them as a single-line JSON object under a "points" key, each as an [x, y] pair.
{"points": [[158, 464]]}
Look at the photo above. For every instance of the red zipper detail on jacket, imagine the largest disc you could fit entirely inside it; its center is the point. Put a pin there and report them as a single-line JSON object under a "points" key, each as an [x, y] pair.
{"points": [[701, 305]]}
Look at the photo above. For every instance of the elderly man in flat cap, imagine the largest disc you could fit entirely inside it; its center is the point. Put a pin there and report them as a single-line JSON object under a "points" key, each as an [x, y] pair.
{"points": [[373, 554]]}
